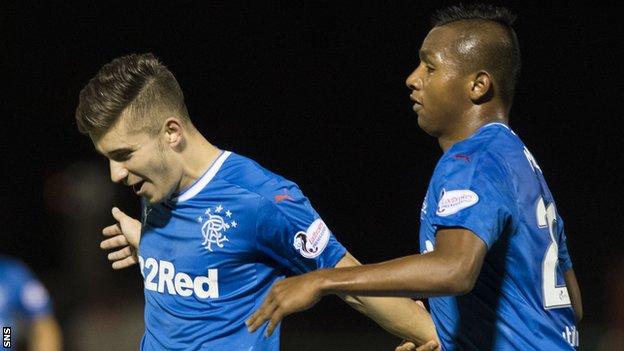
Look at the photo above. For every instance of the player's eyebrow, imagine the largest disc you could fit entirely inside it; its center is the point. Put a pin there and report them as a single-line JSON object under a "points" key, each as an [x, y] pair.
{"points": [[424, 55]]}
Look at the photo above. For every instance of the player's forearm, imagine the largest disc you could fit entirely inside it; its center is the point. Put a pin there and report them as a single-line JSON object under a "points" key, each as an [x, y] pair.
{"points": [[402, 317], [399, 316], [45, 335], [412, 276]]}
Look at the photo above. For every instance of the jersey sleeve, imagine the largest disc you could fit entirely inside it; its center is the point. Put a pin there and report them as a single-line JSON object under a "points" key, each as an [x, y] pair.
{"points": [[291, 232], [33, 297], [474, 195]]}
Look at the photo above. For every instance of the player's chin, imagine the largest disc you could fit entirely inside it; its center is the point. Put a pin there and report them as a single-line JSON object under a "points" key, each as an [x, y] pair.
{"points": [[425, 124], [152, 198]]}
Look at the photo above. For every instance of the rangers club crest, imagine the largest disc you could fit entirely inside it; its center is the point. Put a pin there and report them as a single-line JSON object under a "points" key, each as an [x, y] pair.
{"points": [[216, 222]]}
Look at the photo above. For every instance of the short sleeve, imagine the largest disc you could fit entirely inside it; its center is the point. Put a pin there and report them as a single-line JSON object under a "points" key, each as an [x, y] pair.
{"points": [[291, 232], [475, 196], [33, 297]]}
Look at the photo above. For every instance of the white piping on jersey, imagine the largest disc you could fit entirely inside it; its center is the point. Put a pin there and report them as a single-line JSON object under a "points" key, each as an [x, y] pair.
{"points": [[205, 179], [493, 123]]}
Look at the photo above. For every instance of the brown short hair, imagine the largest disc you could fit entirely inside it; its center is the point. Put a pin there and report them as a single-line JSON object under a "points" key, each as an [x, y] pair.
{"points": [[138, 83]]}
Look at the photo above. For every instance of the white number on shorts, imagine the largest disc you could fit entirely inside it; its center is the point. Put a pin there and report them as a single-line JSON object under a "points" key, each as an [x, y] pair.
{"points": [[554, 296]]}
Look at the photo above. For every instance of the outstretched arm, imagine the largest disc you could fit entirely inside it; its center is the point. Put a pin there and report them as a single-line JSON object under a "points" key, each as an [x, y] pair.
{"points": [[402, 317], [451, 269]]}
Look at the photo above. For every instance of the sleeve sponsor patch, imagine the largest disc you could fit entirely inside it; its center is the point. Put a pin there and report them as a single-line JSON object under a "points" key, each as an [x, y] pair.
{"points": [[454, 201], [313, 241]]}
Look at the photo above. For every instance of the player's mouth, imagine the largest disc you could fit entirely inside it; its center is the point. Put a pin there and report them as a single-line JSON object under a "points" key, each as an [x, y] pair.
{"points": [[417, 104]]}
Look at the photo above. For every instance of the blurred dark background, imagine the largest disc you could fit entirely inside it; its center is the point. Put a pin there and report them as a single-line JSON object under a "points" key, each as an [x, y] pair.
{"points": [[315, 91]]}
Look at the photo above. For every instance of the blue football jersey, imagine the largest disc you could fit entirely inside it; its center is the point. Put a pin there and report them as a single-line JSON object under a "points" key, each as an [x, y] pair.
{"points": [[22, 297], [491, 185], [210, 255]]}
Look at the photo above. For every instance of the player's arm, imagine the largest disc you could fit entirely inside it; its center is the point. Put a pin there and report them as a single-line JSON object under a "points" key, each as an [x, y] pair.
{"points": [[570, 278], [35, 306], [45, 334], [402, 317], [575, 294], [451, 269]]}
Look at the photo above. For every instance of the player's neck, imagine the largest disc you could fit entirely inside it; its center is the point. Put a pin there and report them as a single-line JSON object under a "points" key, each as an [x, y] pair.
{"points": [[196, 159], [470, 123]]}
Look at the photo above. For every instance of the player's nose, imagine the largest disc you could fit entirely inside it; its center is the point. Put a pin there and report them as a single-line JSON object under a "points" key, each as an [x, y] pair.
{"points": [[117, 171], [413, 81]]}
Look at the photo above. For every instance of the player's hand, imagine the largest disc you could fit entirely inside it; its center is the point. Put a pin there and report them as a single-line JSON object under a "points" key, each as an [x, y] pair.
{"points": [[125, 234], [286, 297], [410, 346]]}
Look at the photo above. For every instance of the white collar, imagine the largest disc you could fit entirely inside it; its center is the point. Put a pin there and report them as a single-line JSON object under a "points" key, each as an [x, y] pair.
{"points": [[202, 181]]}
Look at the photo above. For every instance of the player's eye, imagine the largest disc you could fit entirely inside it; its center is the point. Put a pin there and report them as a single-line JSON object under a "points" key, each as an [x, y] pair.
{"points": [[429, 69], [123, 157]]}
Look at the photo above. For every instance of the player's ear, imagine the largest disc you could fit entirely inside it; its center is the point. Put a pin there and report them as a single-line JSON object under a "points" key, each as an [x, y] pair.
{"points": [[481, 87], [173, 132]]}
